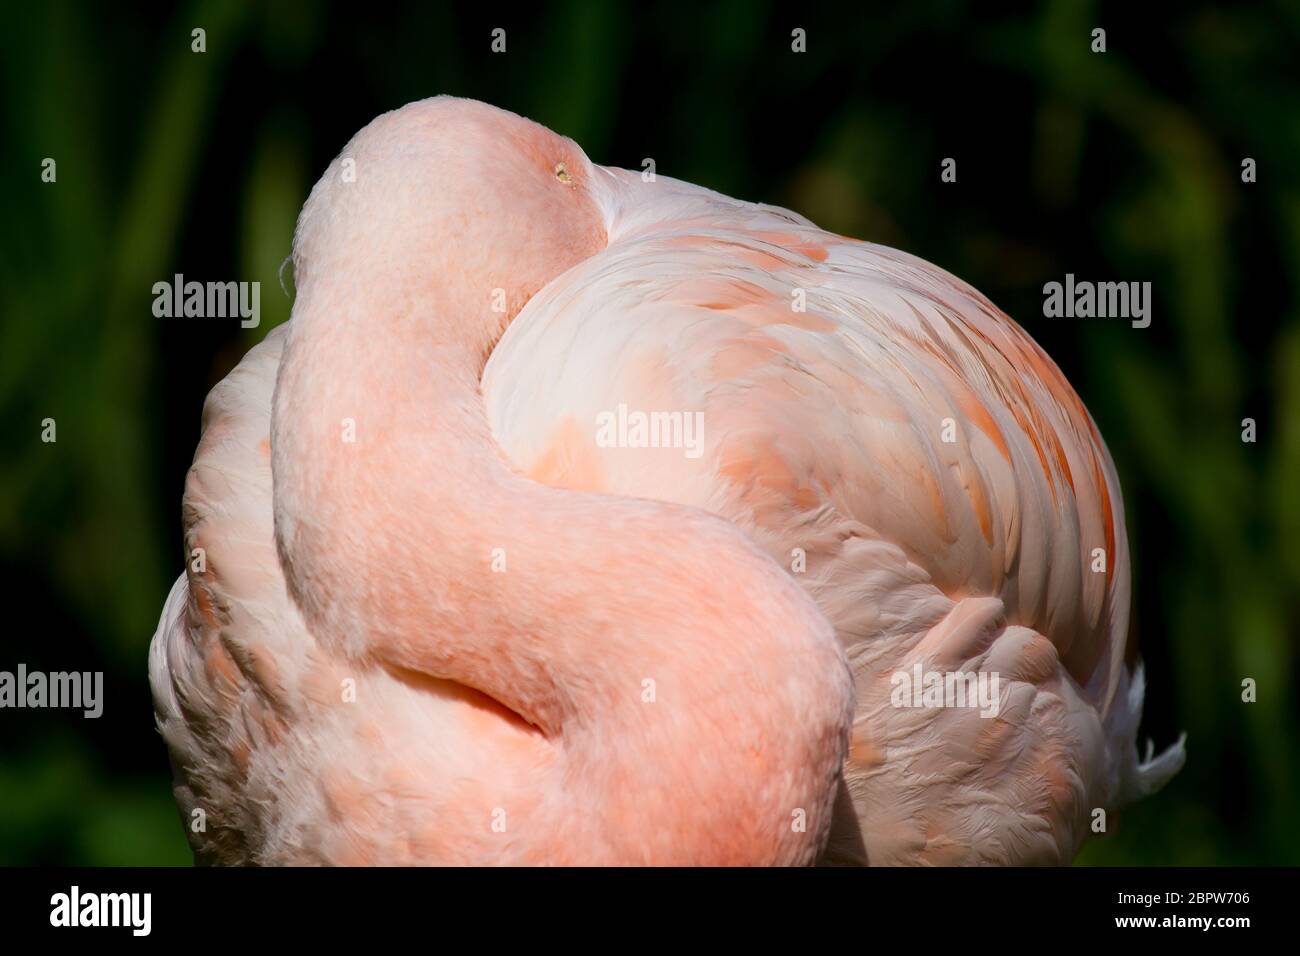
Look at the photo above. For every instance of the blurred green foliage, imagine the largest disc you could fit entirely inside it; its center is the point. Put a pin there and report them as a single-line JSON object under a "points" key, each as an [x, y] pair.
{"points": [[1116, 166]]}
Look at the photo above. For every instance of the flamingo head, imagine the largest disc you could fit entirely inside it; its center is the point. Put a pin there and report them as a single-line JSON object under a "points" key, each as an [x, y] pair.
{"points": [[475, 204]]}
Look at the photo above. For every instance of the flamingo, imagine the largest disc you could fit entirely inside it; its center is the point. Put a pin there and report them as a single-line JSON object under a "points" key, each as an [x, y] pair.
{"points": [[429, 615]]}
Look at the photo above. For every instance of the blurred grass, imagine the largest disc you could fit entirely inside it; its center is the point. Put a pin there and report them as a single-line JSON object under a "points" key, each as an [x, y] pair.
{"points": [[1117, 166]]}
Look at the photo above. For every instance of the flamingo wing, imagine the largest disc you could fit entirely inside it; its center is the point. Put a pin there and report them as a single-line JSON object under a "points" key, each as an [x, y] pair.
{"points": [[282, 752], [908, 452], [222, 654]]}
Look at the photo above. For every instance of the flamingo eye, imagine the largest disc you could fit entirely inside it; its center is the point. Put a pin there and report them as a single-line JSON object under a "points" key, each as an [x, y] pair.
{"points": [[562, 174]]}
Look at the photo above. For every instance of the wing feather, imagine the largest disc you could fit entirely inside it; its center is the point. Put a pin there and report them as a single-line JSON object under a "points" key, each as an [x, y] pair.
{"points": [[874, 414]]}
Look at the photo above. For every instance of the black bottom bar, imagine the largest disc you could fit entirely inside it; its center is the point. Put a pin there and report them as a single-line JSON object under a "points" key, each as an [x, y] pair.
{"points": [[438, 906]]}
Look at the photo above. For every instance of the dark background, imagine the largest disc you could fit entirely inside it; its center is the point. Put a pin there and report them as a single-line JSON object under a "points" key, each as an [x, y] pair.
{"points": [[1122, 166]]}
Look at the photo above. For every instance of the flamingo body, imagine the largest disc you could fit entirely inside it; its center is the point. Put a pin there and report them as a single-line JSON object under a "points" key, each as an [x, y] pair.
{"points": [[903, 478]]}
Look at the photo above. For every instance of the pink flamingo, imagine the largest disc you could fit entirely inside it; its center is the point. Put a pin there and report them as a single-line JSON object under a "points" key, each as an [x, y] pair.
{"points": [[447, 602]]}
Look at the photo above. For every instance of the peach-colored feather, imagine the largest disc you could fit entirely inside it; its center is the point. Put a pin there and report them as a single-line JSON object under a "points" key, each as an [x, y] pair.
{"points": [[474, 634]]}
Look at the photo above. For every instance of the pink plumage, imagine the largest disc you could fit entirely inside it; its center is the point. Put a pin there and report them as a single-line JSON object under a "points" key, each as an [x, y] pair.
{"points": [[457, 607]]}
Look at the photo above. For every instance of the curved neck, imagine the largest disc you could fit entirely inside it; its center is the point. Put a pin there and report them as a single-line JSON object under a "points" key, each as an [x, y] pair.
{"points": [[632, 633]]}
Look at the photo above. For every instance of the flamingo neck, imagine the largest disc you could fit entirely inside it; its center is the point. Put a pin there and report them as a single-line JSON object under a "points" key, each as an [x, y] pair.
{"points": [[631, 633], [396, 515]]}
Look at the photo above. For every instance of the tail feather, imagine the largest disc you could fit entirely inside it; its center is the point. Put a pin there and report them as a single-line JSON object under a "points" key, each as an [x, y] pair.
{"points": [[1134, 776]]}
